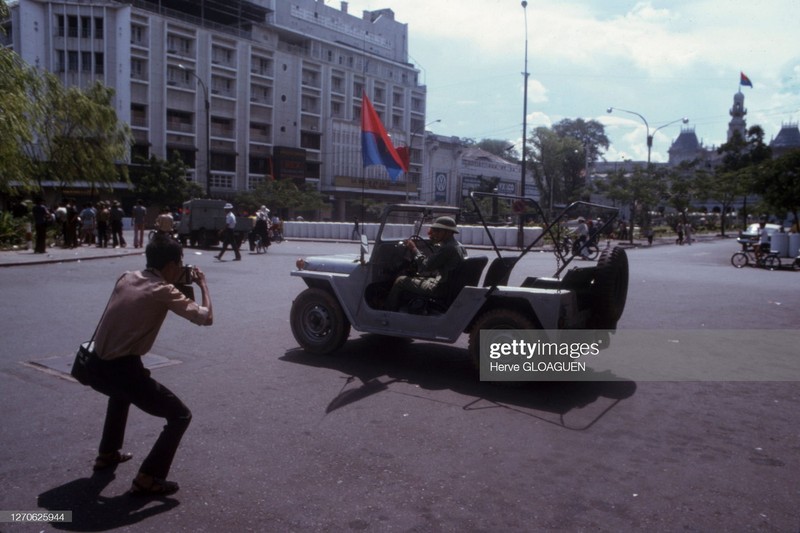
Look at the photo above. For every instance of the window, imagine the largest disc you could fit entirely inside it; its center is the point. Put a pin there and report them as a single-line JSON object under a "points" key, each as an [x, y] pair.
{"points": [[310, 140], [138, 34], [223, 86], [60, 24], [86, 27], [223, 162], [222, 127], [138, 68], [72, 26], [222, 56], [261, 93], [179, 45], [72, 61], [60, 66], [138, 115], [179, 120], [98, 28], [262, 66], [86, 61], [260, 132], [99, 63]]}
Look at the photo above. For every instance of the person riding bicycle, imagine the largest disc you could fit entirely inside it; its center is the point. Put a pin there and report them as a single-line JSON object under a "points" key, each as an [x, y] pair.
{"points": [[164, 222], [260, 228], [764, 247], [582, 234]]}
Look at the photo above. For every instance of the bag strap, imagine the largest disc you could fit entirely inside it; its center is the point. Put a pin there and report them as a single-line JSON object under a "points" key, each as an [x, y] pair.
{"points": [[97, 327]]}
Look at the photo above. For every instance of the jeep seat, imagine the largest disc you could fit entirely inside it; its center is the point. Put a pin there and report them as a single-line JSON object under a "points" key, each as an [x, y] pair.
{"points": [[467, 274]]}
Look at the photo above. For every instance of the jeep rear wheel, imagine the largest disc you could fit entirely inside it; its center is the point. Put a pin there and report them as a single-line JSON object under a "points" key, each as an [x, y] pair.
{"points": [[495, 319], [610, 288], [318, 322]]}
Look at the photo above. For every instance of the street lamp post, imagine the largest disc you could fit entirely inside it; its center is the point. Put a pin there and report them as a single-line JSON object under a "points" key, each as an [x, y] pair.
{"points": [[208, 127], [647, 127], [649, 142], [410, 145], [521, 232]]}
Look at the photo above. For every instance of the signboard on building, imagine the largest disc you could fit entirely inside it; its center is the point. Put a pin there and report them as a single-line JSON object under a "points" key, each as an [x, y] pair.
{"points": [[352, 182], [289, 163], [473, 183], [440, 187]]}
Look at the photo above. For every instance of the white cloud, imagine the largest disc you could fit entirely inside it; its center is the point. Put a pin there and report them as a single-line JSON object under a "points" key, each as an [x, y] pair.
{"points": [[662, 59]]}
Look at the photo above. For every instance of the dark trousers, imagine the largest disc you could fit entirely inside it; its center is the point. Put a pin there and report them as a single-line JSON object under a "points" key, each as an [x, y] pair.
{"points": [[41, 239], [116, 233], [125, 381], [229, 239]]}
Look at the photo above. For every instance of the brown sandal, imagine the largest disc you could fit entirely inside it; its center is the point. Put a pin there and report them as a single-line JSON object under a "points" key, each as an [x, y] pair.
{"points": [[156, 487], [107, 460]]}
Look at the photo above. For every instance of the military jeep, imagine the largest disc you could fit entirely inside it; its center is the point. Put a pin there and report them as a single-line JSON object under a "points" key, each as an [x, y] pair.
{"points": [[345, 291]]}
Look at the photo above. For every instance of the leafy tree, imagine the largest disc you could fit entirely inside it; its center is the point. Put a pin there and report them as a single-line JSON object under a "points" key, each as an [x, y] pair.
{"points": [[15, 109], [778, 183], [591, 134], [555, 163], [164, 183], [734, 177], [500, 148], [639, 190], [280, 195]]}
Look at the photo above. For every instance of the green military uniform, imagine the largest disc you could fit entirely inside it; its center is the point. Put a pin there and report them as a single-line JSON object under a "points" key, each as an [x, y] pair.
{"points": [[433, 270]]}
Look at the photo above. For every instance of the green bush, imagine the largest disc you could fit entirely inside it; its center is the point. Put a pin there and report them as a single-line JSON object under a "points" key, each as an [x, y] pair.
{"points": [[12, 230]]}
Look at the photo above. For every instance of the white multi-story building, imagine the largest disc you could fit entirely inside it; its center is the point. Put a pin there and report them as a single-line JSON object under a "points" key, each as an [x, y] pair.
{"points": [[242, 90]]}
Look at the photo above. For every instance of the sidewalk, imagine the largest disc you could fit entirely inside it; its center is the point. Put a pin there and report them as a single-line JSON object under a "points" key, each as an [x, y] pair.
{"points": [[55, 254], [10, 258]]}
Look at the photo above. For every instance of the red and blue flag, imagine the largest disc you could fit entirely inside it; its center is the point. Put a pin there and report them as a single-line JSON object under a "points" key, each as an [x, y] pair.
{"points": [[376, 146], [744, 80]]}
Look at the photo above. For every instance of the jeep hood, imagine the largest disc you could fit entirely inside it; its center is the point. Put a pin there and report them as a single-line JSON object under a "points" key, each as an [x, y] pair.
{"points": [[337, 264]]}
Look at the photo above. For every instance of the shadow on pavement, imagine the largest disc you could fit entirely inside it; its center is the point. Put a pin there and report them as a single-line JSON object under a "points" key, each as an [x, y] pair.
{"points": [[372, 363], [93, 512]]}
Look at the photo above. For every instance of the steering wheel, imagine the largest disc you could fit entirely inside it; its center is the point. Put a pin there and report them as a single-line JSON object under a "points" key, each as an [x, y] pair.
{"points": [[418, 240]]}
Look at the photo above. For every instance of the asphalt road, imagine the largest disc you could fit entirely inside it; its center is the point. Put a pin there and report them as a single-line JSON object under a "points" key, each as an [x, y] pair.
{"points": [[398, 436]]}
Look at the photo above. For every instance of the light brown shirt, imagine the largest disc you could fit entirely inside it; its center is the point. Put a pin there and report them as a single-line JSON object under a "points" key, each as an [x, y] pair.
{"points": [[138, 307]]}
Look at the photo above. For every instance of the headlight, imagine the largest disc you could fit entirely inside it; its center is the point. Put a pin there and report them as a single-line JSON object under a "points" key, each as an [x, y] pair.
{"points": [[300, 264]]}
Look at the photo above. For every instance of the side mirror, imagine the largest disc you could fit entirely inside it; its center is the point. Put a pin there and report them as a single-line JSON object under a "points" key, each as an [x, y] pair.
{"points": [[364, 247]]}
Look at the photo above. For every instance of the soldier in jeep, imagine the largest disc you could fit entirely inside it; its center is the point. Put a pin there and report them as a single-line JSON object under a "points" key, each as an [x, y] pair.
{"points": [[433, 270]]}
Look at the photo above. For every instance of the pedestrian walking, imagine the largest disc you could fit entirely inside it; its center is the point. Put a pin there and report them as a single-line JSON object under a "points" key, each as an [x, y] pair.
{"points": [[103, 220], [138, 213], [117, 214], [117, 370], [41, 218], [228, 234]]}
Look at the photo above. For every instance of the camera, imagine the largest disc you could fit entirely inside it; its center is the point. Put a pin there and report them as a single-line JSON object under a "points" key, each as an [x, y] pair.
{"points": [[184, 283], [188, 276]]}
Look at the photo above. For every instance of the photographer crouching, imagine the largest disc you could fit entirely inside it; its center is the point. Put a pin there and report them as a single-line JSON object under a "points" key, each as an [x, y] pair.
{"points": [[118, 372]]}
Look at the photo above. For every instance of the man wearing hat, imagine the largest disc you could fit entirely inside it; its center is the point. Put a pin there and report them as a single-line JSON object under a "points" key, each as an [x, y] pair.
{"points": [[434, 270], [228, 237]]}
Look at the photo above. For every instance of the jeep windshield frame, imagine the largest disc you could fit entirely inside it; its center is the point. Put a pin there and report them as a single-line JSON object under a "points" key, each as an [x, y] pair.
{"points": [[416, 215], [555, 229]]}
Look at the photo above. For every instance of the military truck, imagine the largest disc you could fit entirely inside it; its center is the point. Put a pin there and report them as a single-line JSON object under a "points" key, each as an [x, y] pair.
{"points": [[203, 221]]}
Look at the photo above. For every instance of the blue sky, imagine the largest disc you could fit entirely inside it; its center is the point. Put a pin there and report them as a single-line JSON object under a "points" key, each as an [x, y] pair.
{"points": [[662, 59]]}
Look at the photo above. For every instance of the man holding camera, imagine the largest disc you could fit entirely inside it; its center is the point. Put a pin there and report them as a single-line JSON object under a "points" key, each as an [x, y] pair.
{"points": [[118, 372]]}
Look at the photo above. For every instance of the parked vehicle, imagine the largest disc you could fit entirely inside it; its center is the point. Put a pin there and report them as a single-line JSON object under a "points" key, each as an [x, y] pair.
{"points": [[202, 222], [750, 235], [347, 291]]}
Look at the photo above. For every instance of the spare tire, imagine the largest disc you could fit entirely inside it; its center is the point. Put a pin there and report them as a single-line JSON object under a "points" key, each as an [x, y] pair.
{"points": [[609, 288]]}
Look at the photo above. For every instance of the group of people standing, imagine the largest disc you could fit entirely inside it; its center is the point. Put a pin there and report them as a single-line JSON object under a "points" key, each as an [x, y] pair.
{"points": [[92, 224]]}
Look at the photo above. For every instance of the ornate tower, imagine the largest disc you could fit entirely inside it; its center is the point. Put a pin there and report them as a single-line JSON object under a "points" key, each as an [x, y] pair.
{"points": [[738, 112]]}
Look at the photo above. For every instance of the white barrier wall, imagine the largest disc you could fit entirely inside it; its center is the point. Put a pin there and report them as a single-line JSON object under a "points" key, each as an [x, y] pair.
{"points": [[468, 235]]}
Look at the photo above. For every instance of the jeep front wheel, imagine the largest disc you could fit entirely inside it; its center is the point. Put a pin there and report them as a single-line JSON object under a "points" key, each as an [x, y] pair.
{"points": [[318, 322], [495, 319]]}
